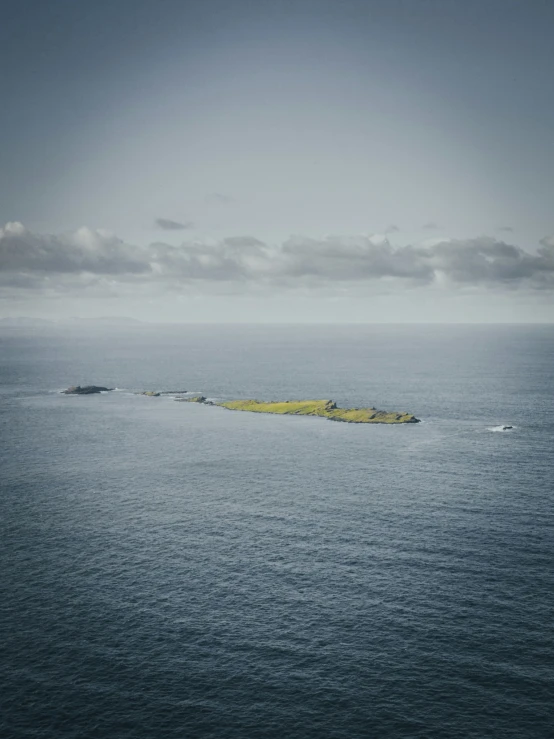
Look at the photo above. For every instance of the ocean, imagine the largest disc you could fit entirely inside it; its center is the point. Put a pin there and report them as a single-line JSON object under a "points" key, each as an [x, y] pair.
{"points": [[179, 570]]}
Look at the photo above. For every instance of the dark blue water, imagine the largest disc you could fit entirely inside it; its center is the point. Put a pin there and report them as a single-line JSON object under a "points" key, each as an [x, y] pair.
{"points": [[172, 570]]}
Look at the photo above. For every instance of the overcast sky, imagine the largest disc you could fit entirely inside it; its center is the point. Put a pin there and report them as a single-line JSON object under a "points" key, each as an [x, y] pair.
{"points": [[277, 160]]}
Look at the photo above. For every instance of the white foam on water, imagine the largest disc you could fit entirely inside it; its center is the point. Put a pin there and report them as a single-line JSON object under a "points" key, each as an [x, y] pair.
{"points": [[501, 429]]}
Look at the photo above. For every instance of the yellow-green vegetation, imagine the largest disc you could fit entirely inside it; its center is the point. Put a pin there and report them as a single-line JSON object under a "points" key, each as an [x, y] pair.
{"points": [[322, 408]]}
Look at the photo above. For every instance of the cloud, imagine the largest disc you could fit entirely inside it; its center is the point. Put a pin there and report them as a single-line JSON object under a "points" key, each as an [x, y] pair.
{"points": [[429, 226], [167, 225], [391, 229], [96, 260], [485, 261], [82, 251], [239, 258], [505, 229], [336, 259]]}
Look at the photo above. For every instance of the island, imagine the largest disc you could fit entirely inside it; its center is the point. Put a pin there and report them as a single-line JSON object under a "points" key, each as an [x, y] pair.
{"points": [[85, 390], [321, 408]]}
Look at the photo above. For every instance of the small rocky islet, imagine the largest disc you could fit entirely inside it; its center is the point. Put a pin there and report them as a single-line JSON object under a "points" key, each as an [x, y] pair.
{"points": [[319, 408], [86, 390]]}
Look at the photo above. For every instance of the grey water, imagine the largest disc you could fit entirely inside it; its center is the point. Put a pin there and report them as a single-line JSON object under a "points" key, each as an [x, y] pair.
{"points": [[175, 570]]}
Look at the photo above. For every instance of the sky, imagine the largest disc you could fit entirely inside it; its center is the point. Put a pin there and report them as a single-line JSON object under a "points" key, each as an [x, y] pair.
{"points": [[277, 160]]}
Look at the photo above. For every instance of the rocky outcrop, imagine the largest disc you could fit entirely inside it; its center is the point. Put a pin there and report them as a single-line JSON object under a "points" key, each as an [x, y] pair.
{"points": [[194, 399], [85, 390], [150, 394]]}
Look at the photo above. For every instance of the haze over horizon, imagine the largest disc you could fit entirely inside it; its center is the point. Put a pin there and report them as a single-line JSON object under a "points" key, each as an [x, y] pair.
{"points": [[278, 162]]}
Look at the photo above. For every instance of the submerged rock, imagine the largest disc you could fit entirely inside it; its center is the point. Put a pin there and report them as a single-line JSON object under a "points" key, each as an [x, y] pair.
{"points": [[150, 394], [85, 390]]}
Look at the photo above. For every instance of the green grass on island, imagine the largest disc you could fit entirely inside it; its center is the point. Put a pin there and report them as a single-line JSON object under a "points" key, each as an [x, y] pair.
{"points": [[322, 408]]}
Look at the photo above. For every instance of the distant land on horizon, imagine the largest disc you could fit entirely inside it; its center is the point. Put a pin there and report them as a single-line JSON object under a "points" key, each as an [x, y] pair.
{"points": [[123, 321], [23, 321]]}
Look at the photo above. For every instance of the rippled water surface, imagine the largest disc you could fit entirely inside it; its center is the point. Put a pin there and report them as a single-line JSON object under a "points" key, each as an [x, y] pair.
{"points": [[172, 570]]}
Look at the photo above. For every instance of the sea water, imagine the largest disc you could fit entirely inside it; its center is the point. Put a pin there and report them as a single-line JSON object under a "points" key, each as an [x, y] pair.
{"points": [[178, 570]]}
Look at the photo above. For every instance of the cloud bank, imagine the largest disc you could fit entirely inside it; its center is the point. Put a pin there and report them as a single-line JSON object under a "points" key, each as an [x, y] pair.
{"points": [[84, 258]]}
